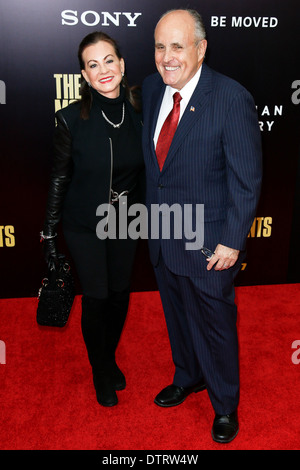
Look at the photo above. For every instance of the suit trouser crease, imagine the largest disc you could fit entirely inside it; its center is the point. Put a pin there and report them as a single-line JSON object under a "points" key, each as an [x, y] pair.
{"points": [[202, 332]]}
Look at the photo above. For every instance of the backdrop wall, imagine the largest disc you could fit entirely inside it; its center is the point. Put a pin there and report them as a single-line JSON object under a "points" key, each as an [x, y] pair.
{"points": [[254, 41]]}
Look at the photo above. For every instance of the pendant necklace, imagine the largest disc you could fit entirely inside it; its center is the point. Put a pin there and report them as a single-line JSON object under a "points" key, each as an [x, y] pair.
{"points": [[116, 126]]}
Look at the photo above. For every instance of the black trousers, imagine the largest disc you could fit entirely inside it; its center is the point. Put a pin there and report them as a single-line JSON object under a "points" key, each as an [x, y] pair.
{"points": [[201, 318]]}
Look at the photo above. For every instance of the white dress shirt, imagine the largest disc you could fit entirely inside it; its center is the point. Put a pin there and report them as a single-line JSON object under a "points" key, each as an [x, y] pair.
{"points": [[167, 102]]}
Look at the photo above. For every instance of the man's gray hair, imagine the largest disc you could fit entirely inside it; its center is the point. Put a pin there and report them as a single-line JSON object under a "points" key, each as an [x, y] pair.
{"points": [[200, 32]]}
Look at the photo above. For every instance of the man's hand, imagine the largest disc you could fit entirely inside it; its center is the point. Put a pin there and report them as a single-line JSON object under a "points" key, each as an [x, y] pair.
{"points": [[224, 258]]}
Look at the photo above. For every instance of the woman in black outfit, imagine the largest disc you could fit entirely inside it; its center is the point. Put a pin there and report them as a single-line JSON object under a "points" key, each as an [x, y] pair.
{"points": [[97, 158]]}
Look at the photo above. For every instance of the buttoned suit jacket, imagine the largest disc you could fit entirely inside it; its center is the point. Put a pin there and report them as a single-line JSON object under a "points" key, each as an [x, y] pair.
{"points": [[214, 160]]}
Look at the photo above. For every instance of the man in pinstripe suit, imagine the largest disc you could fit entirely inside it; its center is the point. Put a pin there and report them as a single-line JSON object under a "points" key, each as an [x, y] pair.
{"points": [[214, 159]]}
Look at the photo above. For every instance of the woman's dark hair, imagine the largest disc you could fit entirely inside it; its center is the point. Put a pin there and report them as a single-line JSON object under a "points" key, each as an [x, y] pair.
{"points": [[86, 95]]}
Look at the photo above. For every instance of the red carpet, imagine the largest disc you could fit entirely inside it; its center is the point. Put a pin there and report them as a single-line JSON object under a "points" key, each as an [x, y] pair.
{"points": [[48, 400]]}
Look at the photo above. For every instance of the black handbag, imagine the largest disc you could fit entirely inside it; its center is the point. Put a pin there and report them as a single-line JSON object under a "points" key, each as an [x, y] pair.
{"points": [[56, 295]]}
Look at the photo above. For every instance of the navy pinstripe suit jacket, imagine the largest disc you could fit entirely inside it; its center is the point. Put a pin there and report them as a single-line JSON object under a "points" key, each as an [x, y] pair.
{"points": [[214, 159]]}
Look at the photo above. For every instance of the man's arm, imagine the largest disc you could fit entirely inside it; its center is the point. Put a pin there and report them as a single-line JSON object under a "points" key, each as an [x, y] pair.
{"points": [[242, 147]]}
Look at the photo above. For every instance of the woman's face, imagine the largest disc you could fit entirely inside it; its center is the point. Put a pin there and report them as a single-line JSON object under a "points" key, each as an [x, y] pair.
{"points": [[103, 69]]}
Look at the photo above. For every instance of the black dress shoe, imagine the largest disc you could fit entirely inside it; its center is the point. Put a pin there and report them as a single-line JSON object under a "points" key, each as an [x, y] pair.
{"points": [[225, 428], [173, 395]]}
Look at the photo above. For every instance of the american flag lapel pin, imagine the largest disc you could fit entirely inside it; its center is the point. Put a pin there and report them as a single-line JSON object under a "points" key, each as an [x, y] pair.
{"points": [[192, 108]]}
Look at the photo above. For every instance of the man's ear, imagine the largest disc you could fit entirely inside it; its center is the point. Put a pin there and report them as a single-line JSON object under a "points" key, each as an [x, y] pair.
{"points": [[202, 46]]}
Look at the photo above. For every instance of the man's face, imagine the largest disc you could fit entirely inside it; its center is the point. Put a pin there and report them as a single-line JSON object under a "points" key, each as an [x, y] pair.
{"points": [[177, 56]]}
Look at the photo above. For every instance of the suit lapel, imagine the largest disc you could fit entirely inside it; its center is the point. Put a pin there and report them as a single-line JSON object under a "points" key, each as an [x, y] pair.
{"points": [[193, 112], [156, 100]]}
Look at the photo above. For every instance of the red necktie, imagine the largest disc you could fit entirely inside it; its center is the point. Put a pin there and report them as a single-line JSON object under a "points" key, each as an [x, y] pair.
{"points": [[167, 132]]}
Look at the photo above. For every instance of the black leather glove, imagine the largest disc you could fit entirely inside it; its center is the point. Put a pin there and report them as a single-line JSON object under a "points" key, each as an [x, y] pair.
{"points": [[60, 179], [50, 249]]}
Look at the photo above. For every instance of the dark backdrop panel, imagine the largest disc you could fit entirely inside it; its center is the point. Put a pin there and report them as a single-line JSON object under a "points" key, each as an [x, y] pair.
{"points": [[255, 42]]}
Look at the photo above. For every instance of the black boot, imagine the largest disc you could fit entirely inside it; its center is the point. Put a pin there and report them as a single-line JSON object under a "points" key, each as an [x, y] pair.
{"points": [[94, 330], [118, 306]]}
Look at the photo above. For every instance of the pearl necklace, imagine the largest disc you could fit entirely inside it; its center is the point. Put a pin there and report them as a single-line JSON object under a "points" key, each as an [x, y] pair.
{"points": [[116, 126]]}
